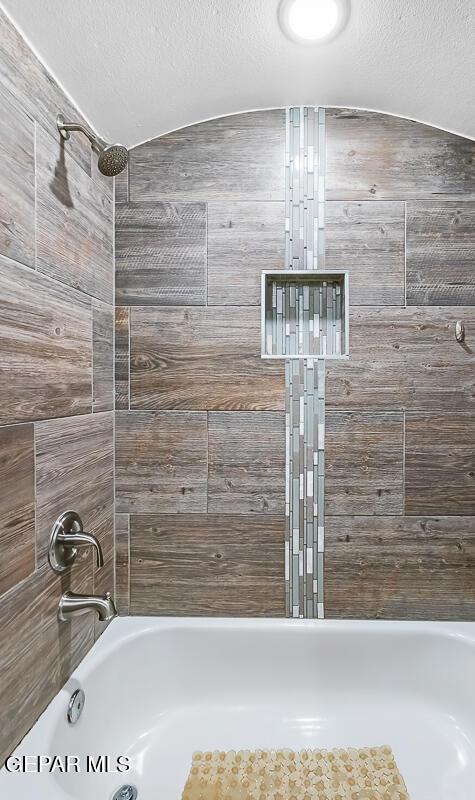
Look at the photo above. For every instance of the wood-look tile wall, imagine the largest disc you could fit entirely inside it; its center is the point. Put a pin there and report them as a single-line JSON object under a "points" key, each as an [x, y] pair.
{"points": [[200, 434], [200, 480], [400, 530], [56, 381]]}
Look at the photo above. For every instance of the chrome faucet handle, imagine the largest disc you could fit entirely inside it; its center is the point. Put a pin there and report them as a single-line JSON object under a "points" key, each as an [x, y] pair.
{"points": [[67, 537], [81, 539]]}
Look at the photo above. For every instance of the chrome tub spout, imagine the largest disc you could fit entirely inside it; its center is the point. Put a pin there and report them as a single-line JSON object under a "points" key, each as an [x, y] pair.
{"points": [[71, 605]]}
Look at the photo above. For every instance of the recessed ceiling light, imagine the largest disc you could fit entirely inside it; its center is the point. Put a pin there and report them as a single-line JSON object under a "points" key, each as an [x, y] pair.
{"points": [[313, 21]]}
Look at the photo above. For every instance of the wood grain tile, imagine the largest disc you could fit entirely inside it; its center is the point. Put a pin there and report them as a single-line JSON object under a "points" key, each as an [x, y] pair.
{"points": [[17, 183], [161, 254], [243, 240], [103, 183], [440, 253], [74, 470], [239, 157], [121, 186], [201, 359], [440, 463], [74, 222], [104, 577], [161, 462], [363, 463], [400, 567], [39, 653], [368, 240], [216, 565], [122, 563], [34, 89], [372, 156], [46, 343], [246, 462], [103, 356], [405, 359], [17, 505], [122, 362], [45, 347]]}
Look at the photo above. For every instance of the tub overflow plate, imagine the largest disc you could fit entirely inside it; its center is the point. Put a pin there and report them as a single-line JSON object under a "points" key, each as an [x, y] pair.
{"points": [[75, 706], [125, 793]]}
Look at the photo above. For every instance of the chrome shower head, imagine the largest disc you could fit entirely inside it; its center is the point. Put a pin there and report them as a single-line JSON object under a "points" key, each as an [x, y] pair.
{"points": [[112, 158]]}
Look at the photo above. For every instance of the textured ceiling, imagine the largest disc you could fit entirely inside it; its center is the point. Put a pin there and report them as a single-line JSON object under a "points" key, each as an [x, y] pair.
{"points": [[140, 68]]}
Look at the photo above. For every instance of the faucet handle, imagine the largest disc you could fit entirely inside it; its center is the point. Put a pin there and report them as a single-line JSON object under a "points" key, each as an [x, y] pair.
{"points": [[66, 537], [81, 539]]}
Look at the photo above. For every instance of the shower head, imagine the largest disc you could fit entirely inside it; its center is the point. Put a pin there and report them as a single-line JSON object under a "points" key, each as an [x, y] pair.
{"points": [[112, 158]]}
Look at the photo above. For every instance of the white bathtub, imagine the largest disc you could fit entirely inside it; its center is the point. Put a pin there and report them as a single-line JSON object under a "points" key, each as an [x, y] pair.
{"points": [[158, 689]]}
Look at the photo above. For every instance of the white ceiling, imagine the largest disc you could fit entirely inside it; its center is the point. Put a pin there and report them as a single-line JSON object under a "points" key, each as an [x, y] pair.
{"points": [[140, 68]]}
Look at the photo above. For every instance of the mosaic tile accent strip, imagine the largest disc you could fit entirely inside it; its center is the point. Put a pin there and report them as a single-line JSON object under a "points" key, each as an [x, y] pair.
{"points": [[305, 378], [305, 188], [304, 500]]}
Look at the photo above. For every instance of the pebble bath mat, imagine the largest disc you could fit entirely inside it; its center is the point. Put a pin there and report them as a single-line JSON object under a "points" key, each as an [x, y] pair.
{"points": [[368, 774]]}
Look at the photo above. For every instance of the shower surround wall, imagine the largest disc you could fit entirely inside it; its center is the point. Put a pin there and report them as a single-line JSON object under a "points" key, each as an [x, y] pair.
{"points": [[56, 370], [200, 433], [200, 472]]}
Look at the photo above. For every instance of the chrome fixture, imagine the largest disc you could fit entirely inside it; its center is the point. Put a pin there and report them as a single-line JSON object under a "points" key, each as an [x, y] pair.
{"points": [[126, 792], [460, 331], [112, 158], [66, 537], [72, 605], [75, 706]]}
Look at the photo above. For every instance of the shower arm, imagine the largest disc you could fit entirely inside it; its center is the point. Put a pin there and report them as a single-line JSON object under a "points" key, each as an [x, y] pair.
{"points": [[65, 128], [111, 158]]}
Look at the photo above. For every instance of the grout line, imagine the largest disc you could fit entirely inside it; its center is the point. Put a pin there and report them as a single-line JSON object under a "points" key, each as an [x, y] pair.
{"points": [[263, 515], [35, 223], [114, 547], [34, 496], [198, 307], [46, 420], [129, 337], [59, 284], [365, 410], [92, 358], [207, 256], [128, 564], [207, 462], [405, 254], [404, 463]]}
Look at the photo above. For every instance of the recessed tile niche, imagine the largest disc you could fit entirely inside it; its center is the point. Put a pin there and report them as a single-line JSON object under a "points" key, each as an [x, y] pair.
{"points": [[305, 314]]}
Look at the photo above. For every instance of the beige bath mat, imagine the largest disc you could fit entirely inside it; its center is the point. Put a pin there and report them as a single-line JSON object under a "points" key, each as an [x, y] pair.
{"points": [[369, 774]]}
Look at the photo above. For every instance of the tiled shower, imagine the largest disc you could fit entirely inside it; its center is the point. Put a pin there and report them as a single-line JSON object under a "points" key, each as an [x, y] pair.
{"points": [[295, 445], [202, 214]]}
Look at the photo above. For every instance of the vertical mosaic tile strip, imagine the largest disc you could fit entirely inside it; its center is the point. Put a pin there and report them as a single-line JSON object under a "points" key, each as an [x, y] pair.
{"points": [[305, 377], [305, 188]]}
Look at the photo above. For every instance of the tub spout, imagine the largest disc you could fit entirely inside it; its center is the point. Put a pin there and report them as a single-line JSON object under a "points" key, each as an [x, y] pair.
{"points": [[71, 605]]}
